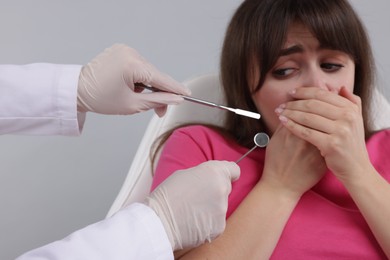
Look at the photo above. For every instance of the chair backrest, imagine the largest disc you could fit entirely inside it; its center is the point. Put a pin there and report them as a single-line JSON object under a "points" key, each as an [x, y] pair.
{"points": [[139, 178]]}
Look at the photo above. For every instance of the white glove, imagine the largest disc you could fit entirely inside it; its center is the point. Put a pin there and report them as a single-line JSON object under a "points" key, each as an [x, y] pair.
{"points": [[192, 203], [106, 84]]}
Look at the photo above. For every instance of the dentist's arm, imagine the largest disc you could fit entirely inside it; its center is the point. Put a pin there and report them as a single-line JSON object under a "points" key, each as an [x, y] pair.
{"points": [[50, 99], [186, 210], [39, 99]]}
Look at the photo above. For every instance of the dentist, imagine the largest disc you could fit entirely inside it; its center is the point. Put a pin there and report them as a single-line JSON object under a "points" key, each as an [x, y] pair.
{"points": [[48, 99]]}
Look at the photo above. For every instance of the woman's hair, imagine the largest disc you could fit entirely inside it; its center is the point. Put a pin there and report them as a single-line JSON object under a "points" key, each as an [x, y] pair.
{"points": [[256, 35]]}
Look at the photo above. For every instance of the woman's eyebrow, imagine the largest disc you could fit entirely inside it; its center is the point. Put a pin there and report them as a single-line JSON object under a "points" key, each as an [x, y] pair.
{"points": [[291, 50]]}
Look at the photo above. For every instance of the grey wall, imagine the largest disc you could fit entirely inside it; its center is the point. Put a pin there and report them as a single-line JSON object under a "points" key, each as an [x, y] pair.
{"points": [[51, 186]]}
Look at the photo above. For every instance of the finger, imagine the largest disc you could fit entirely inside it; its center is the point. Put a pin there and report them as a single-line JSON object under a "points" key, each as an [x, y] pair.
{"points": [[153, 100], [310, 120], [319, 94], [160, 111], [232, 170], [158, 99], [312, 136], [311, 106], [164, 82]]}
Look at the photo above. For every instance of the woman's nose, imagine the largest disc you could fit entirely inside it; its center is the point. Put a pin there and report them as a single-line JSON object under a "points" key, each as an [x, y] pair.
{"points": [[315, 79]]}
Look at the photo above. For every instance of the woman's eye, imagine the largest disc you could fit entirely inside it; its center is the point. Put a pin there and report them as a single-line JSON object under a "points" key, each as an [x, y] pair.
{"points": [[331, 67], [279, 73]]}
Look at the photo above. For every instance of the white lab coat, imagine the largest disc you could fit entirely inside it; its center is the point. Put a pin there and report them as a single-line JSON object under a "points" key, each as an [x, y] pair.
{"points": [[40, 99], [132, 233]]}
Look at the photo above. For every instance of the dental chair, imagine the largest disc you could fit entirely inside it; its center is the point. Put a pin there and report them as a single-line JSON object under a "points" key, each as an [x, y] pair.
{"points": [[207, 87], [139, 178]]}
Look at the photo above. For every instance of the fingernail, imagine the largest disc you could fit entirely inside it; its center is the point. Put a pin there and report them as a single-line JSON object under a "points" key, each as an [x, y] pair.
{"points": [[279, 110], [283, 119], [292, 92]]}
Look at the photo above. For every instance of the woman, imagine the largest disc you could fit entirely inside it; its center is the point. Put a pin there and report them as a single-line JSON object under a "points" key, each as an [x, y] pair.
{"points": [[306, 67]]}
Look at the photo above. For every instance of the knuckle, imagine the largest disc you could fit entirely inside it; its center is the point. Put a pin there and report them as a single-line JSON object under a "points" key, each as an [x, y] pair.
{"points": [[319, 94], [305, 133], [335, 144], [309, 104], [305, 119], [343, 131], [349, 116]]}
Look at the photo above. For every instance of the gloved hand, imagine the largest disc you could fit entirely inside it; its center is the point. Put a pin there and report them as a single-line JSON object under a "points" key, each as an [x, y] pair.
{"points": [[192, 203], [106, 84]]}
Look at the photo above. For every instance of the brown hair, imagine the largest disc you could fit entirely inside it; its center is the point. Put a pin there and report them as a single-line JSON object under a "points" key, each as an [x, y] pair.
{"points": [[258, 31]]}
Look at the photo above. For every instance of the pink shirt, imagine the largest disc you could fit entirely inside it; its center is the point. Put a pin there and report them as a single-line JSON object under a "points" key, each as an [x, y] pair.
{"points": [[325, 224]]}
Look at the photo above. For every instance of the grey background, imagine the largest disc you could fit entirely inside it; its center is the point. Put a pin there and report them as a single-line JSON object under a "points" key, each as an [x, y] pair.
{"points": [[51, 186]]}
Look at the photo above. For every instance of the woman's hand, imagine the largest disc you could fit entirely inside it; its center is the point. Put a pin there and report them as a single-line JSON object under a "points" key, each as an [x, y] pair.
{"points": [[332, 123], [292, 165]]}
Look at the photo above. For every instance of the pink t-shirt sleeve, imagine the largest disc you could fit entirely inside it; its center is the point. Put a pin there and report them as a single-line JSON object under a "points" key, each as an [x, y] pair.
{"points": [[184, 149]]}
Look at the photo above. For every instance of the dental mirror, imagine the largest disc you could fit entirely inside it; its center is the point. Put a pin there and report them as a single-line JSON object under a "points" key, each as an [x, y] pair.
{"points": [[260, 140]]}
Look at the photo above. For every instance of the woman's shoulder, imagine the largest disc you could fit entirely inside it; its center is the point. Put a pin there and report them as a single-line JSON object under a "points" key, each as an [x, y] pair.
{"points": [[382, 136], [198, 130]]}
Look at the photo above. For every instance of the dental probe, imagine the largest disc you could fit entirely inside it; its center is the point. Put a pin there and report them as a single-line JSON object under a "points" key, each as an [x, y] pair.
{"points": [[238, 111], [260, 140]]}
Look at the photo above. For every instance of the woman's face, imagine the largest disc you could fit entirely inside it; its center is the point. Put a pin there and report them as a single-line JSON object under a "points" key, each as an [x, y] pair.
{"points": [[303, 63]]}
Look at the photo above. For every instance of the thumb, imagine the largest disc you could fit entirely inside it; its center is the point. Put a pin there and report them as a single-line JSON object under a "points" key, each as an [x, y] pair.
{"points": [[232, 170]]}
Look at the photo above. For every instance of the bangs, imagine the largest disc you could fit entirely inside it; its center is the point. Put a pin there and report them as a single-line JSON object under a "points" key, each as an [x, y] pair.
{"points": [[325, 19], [333, 29]]}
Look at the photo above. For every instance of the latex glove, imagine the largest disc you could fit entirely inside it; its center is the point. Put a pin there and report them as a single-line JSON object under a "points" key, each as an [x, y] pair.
{"points": [[192, 203], [106, 84]]}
